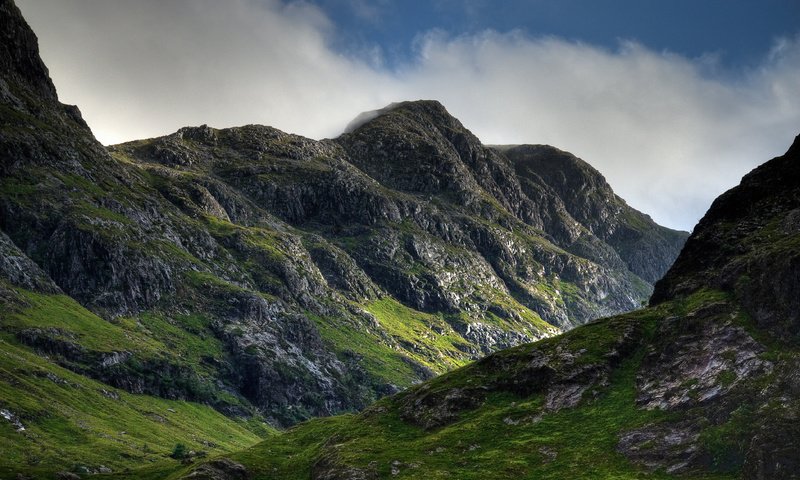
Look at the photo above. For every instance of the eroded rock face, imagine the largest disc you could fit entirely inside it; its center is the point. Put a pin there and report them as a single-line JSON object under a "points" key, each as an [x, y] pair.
{"points": [[705, 357], [264, 338], [325, 469], [107, 273], [20, 270], [571, 188], [772, 452], [738, 393], [747, 243], [672, 449], [19, 54]]}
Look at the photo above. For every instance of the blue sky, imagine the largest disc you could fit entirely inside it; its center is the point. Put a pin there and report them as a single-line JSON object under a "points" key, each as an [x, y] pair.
{"points": [[739, 32], [672, 100]]}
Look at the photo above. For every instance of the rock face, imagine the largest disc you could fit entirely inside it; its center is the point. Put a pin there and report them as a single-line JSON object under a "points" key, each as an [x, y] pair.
{"points": [[220, 469], [419, 206], [294, 277], [582, 194]]}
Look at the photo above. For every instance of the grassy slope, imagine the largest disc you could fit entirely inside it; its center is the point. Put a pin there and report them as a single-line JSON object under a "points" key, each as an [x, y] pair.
{"points": [[187, 341], [71, 420], [509, 435], [484, 443]]}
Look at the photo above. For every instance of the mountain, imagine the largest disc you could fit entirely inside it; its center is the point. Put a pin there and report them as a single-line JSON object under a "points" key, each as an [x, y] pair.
{"points": [[701, 384], [297, 277], [645, 249], [202, 286], [172, 298]]}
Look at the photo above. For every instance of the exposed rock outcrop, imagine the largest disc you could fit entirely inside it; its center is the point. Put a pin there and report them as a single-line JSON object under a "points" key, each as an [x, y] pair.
{"points": [[747, 244]]}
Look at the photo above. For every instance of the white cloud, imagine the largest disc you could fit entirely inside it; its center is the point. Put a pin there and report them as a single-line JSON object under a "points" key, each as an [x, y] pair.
{"points": [[145, 68], [669, 133]]}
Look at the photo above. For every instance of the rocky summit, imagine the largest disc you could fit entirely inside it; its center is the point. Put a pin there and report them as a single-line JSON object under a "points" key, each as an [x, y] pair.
{"points": [[166, 303]]}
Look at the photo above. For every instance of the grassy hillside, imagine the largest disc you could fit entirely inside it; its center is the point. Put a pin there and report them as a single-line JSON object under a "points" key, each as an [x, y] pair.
{"points": [[54, 420], [489, 422]]}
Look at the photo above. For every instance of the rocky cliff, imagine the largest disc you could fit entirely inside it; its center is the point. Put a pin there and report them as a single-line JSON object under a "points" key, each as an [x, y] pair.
{"points": [[263, 272], [747, 244]]}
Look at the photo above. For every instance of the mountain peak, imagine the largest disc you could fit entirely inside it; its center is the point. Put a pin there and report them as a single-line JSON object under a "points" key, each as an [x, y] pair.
{"points": [[429, 107], [19, 54], [794, 149], [416, 147]]}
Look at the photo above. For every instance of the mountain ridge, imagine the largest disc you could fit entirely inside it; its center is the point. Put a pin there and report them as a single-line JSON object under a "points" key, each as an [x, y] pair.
{"points": [[241, 238], [703, 384], [259, 274]]}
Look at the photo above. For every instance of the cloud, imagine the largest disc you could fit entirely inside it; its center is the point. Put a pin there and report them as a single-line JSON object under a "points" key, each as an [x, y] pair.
{"points": [[145, 68], [669, 133]]}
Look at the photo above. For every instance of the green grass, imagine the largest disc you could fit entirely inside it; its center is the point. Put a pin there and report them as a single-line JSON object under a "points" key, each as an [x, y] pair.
{"points": [[75, 324], [188, 337], [16, 188], [379, 359], [728, 442], [426, 338], [507, 437], [529, 318], [94, 212], [207, 282], [71, 421], [699, 299], [81, 185], [432, 341], [186, 345]]}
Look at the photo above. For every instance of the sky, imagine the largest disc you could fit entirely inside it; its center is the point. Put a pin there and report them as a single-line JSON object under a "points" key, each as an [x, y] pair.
{"points": [[673, 101]]}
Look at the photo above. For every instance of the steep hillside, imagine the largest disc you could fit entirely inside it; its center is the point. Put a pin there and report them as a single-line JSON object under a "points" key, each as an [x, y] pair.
{"points": [[267, 274], [641, 245], [53, 418], [703, 384]]}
